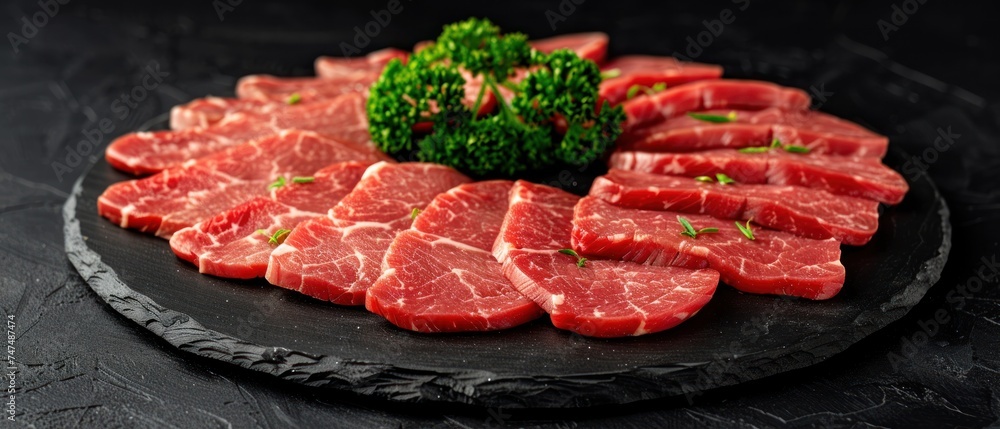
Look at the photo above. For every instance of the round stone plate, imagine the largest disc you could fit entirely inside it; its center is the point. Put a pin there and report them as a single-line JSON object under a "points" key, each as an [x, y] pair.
{"points": [[735, 338]]}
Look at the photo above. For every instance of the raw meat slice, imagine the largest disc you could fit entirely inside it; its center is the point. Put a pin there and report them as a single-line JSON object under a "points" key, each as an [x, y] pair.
{"points": [[440, 276], [647, 71], [712, 94], [470, 214], [813, 214], [419, 46], [352, 68], [183, 196], [435, 284], [310, 91], [590, 46], [205, 112], [231, 244], [332, 260], [327, 188], [337, 257], [475, 84], [278, 90], [343, 118], [336, 79], [610, 298], [336, 76], [235, 243], [389, 192], [823, 134], [601, 298], [775, 262], [535, 219], [857, 177]]}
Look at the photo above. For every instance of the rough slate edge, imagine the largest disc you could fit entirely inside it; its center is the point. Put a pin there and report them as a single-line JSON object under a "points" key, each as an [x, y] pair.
{"points": [[473, 387]]}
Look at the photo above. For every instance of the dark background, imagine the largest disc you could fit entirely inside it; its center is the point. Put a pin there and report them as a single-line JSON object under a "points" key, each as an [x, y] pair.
{"points": [[81, 364]]}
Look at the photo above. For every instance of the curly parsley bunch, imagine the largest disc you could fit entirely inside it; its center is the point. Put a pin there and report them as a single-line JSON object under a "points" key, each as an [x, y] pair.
{"points": [[420, 107]]}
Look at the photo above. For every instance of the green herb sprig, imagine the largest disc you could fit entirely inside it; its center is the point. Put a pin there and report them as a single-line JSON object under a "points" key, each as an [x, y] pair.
{"points": [[690, 231], [648, 90], [746, 230], [277, 238], [280, 182], [722, 178], [610, 74], [715, 119], [776, 144], [580, 261], [277, 183]]}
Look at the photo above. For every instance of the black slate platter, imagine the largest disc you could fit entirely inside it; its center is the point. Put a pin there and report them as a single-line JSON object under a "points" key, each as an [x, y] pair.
{"points": [[735, 338]]}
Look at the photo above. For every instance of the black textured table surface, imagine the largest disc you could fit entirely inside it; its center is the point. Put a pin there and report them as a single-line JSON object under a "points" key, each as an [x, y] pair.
{"points": [[78, 363]]}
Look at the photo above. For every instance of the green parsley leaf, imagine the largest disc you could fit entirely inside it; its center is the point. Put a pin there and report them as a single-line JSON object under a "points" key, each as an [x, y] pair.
{"points": [[705, 179], [747, 232], [774, 145], [414, 213], [724, 179], [632, 91], [295, 98], [277, 238], [716, 119], [303, 179], [648, 90], [279, 182], [690, 231], [796, 149], [580, 261], [610, 74]]}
